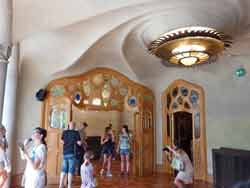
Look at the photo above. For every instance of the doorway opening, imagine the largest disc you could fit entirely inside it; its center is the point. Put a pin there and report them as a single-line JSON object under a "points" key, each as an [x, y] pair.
{"points": [[97, 122], [183, 132]]}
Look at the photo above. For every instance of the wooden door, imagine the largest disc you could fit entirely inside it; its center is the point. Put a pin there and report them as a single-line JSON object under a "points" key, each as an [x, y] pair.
{"points": [[147, 144], [136, 145], [57, 118], [143, 144]]}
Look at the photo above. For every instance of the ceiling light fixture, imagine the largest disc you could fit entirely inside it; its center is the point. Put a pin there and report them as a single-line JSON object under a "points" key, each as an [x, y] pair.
{"points": [[190, 45]]}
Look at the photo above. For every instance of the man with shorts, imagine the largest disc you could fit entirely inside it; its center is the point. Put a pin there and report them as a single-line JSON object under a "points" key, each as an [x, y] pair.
{"points": [[70, 139]]}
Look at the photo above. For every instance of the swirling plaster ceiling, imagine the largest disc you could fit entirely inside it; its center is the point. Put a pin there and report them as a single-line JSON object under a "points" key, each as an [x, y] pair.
{"points": [[87, 33]]}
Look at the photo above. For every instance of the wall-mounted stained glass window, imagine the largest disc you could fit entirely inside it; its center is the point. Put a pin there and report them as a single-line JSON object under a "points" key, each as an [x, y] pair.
{"points": [[58, 118], [197, 125], [57, 90], [106, 91], [175, 105], [194, 97], [175, 92], [184, 91], [97, 102]]}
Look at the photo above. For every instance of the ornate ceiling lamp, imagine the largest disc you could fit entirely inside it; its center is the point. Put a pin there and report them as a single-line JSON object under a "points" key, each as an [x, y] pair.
{"points": [[190, 45]]}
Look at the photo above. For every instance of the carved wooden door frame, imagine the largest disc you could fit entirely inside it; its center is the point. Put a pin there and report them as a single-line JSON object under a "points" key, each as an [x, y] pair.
{"points": [[83, 89], [188, 97]]}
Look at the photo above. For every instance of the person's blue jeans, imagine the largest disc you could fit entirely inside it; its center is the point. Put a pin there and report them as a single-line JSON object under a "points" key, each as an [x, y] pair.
{"points": [[68, 165], [125, 152]]}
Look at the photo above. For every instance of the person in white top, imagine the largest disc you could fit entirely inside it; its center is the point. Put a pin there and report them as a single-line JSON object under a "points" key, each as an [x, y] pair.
{"points": [[28, 145], [35, 176], [87, 172], [4, 161], [185, 175]]}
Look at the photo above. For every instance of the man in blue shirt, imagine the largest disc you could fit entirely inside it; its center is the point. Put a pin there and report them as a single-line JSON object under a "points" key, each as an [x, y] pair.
{"points": [[70, 139]]}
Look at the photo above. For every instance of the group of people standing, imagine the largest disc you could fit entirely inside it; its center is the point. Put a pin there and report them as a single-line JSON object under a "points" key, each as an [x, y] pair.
{"points": [[109, 149], [74, 141], [77, 153]]}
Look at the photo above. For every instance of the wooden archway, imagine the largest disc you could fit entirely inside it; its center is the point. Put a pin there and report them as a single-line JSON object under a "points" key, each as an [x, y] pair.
{"points": [[183, 96], [100, 89]]}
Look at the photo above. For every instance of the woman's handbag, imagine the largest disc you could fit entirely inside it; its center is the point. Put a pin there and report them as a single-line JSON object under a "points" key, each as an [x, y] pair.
{"points": [[177, 164]]}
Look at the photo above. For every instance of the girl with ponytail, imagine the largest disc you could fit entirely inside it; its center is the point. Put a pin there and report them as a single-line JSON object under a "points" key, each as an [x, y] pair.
{"points": [[124, 147], [35, 176]]}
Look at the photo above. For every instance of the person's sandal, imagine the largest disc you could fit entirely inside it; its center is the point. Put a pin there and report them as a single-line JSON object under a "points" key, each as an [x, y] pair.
{"points": [[101, 172], [109, 174]]}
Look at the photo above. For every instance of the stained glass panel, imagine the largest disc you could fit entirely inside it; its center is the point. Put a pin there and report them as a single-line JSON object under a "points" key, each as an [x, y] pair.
{"points": [[184, 91], [123, 91], [175, 92], [194, 97], [114, 81], [57, 90], [87, 87], [197, 125], [175, 105], [106, 91], [58, 118]]}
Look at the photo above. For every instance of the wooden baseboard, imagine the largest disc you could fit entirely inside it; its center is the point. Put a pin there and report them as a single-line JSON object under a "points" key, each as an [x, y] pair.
{"points": [[210, 179], [160, 168]]}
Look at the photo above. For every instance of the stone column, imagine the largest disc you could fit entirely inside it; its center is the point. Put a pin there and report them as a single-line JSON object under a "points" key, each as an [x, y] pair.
{"points": [[5, 47], [5, 43], [10, 97], [3, 69]]}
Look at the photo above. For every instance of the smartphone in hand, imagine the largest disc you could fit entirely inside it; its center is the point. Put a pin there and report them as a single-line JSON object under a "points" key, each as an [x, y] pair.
{"points": [[21, 146]]}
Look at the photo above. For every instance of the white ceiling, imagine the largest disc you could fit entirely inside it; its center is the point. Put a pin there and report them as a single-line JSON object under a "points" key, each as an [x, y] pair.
{"points": [[88, 32]]}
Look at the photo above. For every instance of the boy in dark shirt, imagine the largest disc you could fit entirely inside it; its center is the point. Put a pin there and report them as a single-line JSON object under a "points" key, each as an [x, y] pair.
{"points": [[70, 138]]}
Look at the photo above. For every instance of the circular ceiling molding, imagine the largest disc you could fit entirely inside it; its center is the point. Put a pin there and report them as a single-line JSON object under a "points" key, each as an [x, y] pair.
{"points": [[190, 45]]}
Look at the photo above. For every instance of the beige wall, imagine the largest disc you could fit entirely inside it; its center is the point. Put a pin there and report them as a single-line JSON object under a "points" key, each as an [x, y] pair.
{"points": [[127, 119], [97, 121]]}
